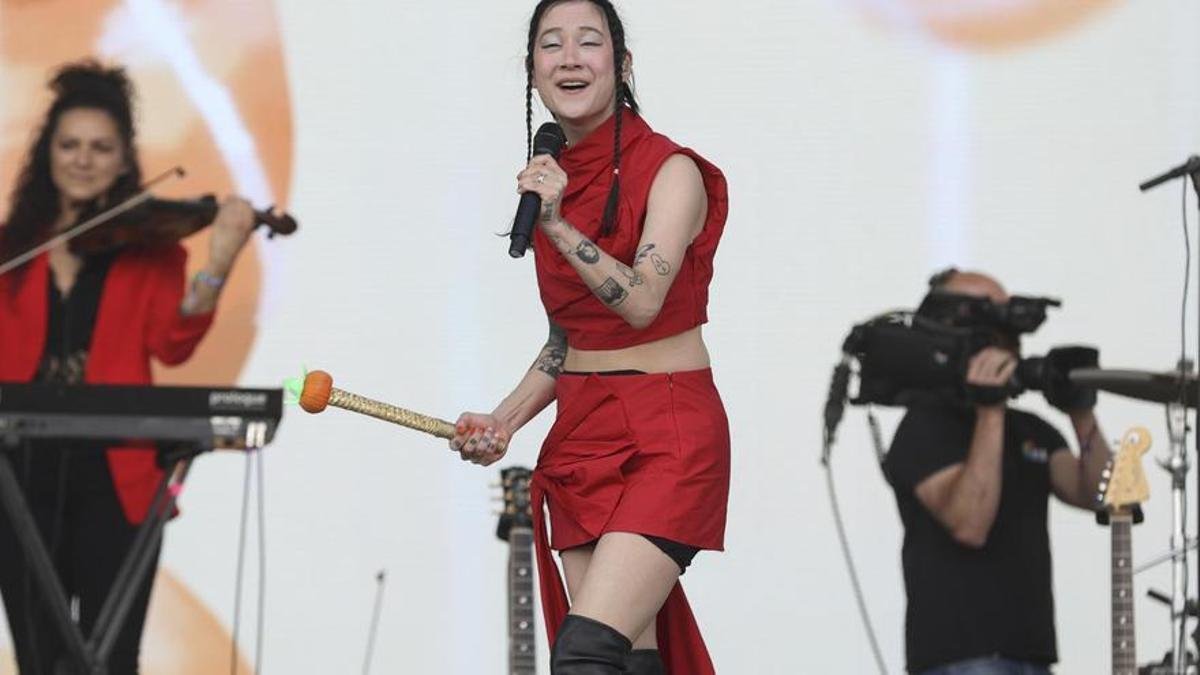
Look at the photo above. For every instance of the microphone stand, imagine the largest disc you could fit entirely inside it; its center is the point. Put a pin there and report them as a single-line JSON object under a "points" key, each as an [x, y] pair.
{"points": [[1180, 659], [1189, 169]]}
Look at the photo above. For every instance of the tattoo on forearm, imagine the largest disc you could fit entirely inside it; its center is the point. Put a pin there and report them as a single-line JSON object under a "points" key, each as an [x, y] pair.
{"points": [[548, 212], [611, 292], [554, 354], [633, 276], [660, 265], [587, 252], [642, 253]]}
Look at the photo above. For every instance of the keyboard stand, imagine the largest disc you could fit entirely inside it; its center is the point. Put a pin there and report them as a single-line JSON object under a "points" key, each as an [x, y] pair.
{"points": [[90, 656]]}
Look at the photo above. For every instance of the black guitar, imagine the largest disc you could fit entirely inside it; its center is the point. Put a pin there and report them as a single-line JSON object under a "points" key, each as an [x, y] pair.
{"points": [[516, 527]]}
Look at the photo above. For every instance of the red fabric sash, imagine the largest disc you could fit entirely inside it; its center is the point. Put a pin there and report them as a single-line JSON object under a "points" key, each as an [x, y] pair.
{"points": [[590, 492]]}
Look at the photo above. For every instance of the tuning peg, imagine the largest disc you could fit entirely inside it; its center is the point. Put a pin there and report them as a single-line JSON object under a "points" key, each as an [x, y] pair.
{"points": [[496, 498], [1107, 473], [495, 485], [1103, 486]]}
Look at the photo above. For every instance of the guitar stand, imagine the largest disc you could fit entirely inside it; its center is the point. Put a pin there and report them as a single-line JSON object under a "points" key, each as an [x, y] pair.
{"points": [[90, 655]]}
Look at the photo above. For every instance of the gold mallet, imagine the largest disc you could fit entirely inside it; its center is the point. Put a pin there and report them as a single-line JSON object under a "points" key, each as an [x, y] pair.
{"points": [[318, 393]]}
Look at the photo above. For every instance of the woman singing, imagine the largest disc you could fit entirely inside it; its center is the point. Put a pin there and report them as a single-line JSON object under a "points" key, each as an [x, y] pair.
{"points": [[635, 470], [72, 319]]}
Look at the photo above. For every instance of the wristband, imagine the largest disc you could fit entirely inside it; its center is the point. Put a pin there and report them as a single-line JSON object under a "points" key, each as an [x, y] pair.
{"points": [[213, 282]]}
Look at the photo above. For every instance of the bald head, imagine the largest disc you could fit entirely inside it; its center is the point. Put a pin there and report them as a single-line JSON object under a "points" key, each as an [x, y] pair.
{"points": [[975, 284]]}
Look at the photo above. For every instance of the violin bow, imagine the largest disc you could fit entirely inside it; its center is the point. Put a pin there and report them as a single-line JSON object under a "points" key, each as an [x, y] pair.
{"points": [[90, 224]]}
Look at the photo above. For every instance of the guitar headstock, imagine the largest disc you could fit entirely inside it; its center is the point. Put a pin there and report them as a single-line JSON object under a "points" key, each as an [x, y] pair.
{"points": [[1124, 485], [514, 482]]}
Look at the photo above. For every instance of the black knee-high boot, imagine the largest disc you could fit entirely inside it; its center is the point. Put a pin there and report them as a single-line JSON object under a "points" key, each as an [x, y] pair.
{"points": [[587, 647], [644, 662]]}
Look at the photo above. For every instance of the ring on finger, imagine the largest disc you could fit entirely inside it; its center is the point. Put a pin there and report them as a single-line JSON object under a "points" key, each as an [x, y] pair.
{"points": [[541, 178]]}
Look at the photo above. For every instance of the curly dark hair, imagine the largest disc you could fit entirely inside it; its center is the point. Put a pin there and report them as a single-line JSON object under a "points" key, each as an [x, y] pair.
{"points": [[35, 204], [623, 98]]}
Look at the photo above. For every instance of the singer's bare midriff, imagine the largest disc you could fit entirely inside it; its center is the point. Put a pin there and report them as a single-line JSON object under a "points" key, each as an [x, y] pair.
{"points": [[677, 353]]}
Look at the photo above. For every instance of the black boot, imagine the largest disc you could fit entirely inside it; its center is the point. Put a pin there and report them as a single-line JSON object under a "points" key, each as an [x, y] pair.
{"points": [[644, 662], [587, 647]]}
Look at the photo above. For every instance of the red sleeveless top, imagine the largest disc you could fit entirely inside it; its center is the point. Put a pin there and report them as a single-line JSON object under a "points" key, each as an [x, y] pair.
{"points": [[570, 304]]}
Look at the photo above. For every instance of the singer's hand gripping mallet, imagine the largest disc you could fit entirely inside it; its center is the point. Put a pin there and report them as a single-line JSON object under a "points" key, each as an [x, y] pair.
{"points": [[319, 392]]}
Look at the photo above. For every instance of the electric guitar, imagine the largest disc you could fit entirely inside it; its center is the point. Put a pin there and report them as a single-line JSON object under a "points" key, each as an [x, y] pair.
{"points": [[516, 527], [1121, 491]]}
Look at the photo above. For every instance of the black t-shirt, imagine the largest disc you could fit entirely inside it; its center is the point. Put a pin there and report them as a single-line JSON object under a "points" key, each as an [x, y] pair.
{"points": [[967, 603]]}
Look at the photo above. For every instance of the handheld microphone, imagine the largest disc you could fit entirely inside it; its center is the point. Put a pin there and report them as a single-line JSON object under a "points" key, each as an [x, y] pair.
{"points": [[549, 140]]}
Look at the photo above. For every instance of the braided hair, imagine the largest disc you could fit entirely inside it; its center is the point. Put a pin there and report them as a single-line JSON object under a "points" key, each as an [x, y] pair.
{"points": [[623, 98], [35, 203]]}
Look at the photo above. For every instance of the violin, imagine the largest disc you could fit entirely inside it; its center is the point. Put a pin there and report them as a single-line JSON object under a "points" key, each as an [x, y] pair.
{"points": [[155, 221], [145, 220]]}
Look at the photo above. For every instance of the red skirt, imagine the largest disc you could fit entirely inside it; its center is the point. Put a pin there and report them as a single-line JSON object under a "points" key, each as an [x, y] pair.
{"points": [[647, 454]]}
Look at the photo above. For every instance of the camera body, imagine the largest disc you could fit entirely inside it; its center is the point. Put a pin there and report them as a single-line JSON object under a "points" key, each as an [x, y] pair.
{"points": [[912, 358]]}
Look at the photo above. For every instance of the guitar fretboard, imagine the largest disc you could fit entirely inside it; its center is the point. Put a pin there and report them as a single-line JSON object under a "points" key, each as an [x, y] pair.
{"points": [[522, 653], [1124, 654]]}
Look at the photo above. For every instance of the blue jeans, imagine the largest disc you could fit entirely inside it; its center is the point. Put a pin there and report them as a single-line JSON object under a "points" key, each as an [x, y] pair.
{"points": [[990, 665]]}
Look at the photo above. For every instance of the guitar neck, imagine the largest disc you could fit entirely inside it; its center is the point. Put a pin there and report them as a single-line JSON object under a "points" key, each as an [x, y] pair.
{"points": [[522, 652], [1124, 653]]}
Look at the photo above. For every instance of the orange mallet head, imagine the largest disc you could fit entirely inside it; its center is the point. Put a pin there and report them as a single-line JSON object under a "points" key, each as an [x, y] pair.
{"points": [[318, 385]]}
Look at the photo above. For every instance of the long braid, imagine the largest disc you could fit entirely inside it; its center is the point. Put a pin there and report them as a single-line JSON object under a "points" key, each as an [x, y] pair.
{"points": [[614, 193], [529, 115], [609, 223]]}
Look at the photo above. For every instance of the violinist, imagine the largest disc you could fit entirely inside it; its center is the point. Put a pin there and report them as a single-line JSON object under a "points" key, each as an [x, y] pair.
{"points": [[72, 318]]}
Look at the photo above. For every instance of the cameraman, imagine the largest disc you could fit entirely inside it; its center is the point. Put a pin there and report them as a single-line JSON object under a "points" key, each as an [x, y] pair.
{"points": [[972, 483]]}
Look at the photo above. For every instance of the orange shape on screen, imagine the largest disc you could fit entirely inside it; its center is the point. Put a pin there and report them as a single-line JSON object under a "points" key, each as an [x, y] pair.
{"points": [[237, 46], [987, 24]]}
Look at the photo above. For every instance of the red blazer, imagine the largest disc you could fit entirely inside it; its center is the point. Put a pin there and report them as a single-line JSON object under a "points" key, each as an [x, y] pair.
{"points": [[138, 318]]}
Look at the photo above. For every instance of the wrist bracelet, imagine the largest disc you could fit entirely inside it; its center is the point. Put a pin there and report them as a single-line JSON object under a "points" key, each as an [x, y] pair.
{"points": [[213, 282]]}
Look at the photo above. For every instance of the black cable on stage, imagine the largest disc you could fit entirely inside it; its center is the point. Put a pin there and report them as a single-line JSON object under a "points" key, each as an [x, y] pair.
{"points": [[850, 567], [253, 466], [262, 567], [241, 559]]}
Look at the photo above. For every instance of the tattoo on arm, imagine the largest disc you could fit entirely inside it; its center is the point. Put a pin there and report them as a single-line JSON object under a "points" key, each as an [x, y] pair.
{"points": [[547, 212], [587, 252], [611, 292], [660, 265], [554, 354], [633, 276], [642, 253]]}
